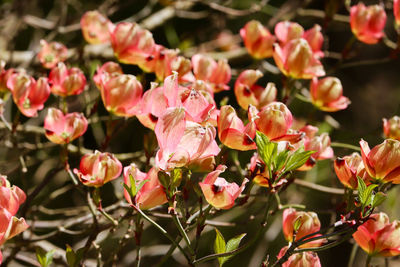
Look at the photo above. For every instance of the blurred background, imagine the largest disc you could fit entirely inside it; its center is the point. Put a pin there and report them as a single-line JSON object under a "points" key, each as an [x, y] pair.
{"points": [[369, 74]]}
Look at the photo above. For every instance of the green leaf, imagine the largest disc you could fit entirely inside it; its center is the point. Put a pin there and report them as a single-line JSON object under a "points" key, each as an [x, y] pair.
{"points": [[219, 245], [176, 177], [297, 159], [164, 178], [266, 149], [74, 258], [44, 258], [361, 190], [297, 224], [232, 245], [378, 199], [365, 194], [281, 159]]}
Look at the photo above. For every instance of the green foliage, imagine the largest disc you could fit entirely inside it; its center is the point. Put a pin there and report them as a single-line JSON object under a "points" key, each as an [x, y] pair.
{"points": [[135, 186], [74, 257], [368, 197], [44, 258], [221, 247]]}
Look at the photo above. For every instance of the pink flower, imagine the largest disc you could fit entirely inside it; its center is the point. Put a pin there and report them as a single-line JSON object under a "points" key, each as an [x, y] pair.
{"points": [[11, 197], [183, 142], [396, 11], [383, 161], [286, 31], [232, 132], [379, 237], [65, 82], [367, 23], [248, 93], [151, 194], [218, 192], [198, 103], [275, 121], [63, 129], [327, 94], [296, 59], [303, 259], [121, 93], [96, 28], [131, 43], [257, 39], [5, 74], [98, 168], [391, 127], [51, 54], [216, 74], [29, 95], [349, 168], [308, 224]]}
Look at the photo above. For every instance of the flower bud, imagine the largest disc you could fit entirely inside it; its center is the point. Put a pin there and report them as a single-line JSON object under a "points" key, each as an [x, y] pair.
{"points": [[257, 39], [218, 192], [11, 197], [383, 161], [63, 129], [286, 31], [315, 39], [96, 28], [28, 94], [327, 94], [51, 54], [96, 169], [321, 145], [216, 74], [391, 127], [349, 168], [65, 82], [105, 72], [303, 259], [121, 94], [378, 237], [4, 76], [248, 93], [131, 43], [232, 132], [274, 120], [151, 194], [367, 23], [296, 59]]}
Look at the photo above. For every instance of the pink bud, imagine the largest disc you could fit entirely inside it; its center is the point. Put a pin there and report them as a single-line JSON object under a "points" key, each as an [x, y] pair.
{"points": [[378, 237], [248, 93], [105, 72], [98, 168], [63, 129], [232, 132], [131, 43], [308, 223], [11, 197], [321, 145], [315, 38], [151, 194], [367, 22], [274, 120], [120, 93], [303, 259], [327, 94], [349, 168], [257, 39], [383, 161], [286, 31], [218, 192], [216, 74], [5, 74], [391, 127], [51, 54], [29, 95], [10, 226], [297, 60], [65, 82], [96, 28]]}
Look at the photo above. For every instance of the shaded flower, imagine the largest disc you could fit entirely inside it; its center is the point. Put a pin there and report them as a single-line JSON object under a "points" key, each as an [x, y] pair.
{"points": [[349, 168], [303, 259], [257, 39], [65, 82], [391, 127], [96, 28], [327, 94], [52, 53]]}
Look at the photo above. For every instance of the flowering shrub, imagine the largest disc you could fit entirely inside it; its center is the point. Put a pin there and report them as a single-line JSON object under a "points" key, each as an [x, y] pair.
{"points": [[139, 134]]}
